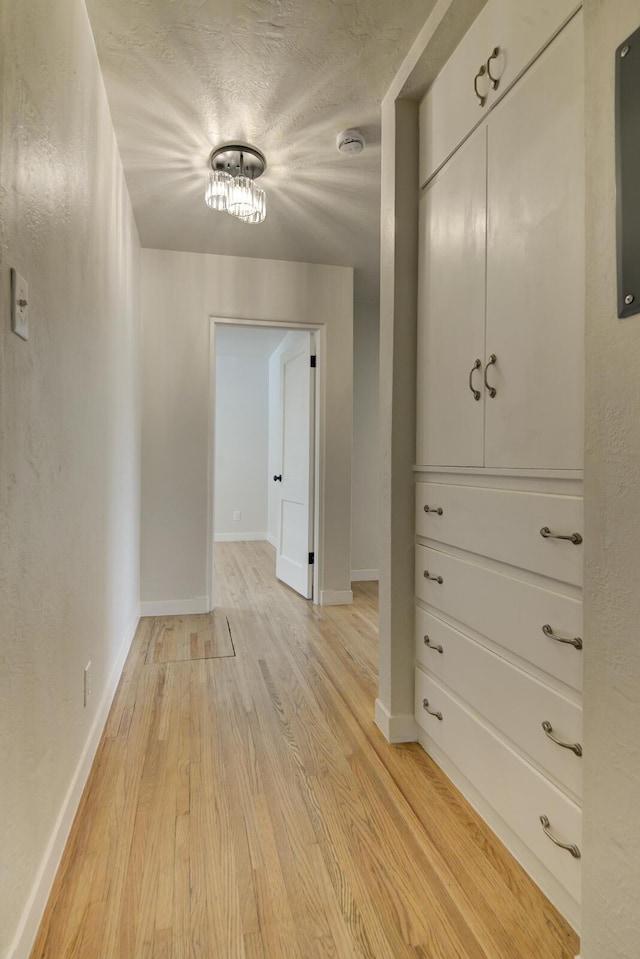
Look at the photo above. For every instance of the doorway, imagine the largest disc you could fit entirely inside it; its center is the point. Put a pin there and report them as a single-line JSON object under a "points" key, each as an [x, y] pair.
{"points": [[264, 445]]}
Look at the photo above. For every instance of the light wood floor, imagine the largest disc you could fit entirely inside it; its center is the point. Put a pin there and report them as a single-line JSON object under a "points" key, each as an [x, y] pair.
{"points": [[247, 806]]}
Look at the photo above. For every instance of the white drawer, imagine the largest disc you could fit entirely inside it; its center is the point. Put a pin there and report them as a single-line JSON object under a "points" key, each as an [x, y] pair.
{"points": [[517, 792], [505, 525], [506, 696], [451, 109], [506, 610]]}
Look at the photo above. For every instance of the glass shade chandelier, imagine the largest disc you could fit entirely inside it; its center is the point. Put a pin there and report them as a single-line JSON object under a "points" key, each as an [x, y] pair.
{"points": [[231, 186]]}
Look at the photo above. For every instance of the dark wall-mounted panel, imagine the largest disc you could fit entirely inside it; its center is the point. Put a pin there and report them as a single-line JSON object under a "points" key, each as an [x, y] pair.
{"points": [[628, 173]]}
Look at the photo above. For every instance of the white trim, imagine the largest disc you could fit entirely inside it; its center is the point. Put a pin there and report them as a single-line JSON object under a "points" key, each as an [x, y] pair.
{"points": [[41, 888], [365, 575], [175, 607], [335, 597], [240, 537], [271, 538], [401, 728]]}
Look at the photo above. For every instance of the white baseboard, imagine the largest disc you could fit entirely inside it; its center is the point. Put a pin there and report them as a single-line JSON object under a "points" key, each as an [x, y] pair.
{"points": [[41, 889], [175, 607], [365, 575], [400, 728], [336, 597], [240, 537], [273, 540]]}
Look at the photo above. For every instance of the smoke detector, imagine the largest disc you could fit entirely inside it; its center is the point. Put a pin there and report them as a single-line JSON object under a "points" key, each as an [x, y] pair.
{"points": [[350, 142]]}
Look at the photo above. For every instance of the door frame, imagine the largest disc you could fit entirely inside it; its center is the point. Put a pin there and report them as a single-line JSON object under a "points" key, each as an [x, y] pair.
{"points": [[319, 332]]}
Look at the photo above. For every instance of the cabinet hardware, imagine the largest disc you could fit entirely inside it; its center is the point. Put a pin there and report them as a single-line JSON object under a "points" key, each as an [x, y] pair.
{"points": [[481, 72], [490, 362], [574, 538], [425, 706], [431, 645], [278, 478], [574, 641], [495, 81], [436, 579], [476, 366], [569, 846], [433, 509], [548, 731]]}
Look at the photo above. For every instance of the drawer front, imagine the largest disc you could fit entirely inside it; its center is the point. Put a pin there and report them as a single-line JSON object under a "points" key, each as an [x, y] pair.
{"points": [[505, 525], [510, 699], [506, 610], [518, 793], [451, 109]]}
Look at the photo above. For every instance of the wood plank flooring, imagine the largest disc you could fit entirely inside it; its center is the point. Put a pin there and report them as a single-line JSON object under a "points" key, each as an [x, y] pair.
{"points": [[249, 807]]}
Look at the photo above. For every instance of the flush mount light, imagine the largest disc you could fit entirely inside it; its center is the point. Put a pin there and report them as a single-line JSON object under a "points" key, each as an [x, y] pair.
{"points": [[231, 184], [350, 142]]}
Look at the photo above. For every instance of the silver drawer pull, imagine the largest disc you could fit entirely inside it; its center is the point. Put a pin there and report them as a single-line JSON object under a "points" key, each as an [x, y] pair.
{"points": [[436, 579], [425, 706], [476, 366], [432, 509], [548, 730], [574, 538], [575, 641], [431, 645], [569, 846]]}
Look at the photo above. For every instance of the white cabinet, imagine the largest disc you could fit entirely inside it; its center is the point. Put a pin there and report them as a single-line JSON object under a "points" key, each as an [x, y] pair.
{"points": [[500, 303], [464, 92], [498, 572]]}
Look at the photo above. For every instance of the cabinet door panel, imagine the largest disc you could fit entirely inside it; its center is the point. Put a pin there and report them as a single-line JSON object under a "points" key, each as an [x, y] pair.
{"points": [[451, 297], [451, 109], [535, 264]]}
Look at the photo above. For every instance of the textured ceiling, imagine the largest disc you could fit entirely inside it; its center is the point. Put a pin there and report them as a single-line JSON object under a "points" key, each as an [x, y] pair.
{"points": [[183, 76]]}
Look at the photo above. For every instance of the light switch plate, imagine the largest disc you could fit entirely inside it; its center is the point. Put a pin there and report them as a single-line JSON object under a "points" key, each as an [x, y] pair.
{"points": [[19, 305]]}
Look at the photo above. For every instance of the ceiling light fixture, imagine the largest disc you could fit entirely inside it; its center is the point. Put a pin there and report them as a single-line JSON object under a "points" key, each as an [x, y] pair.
{"points": [[231, 185]]}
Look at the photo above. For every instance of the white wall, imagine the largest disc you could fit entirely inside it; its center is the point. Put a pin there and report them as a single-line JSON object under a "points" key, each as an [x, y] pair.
{"points": [[241, 444], [611, 832], [180, 292], [365, 498], [69, 439]]}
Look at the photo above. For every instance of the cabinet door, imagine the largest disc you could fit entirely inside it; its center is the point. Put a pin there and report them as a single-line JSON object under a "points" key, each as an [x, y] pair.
{"points": [[451, 293], [535, 264], [451, 108]]}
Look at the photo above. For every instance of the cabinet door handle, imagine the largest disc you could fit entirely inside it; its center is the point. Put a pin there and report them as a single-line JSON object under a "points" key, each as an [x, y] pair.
{"points": [[495, 81], [434, 509], [436, 579], [431, 645], [569, 846], [574, 641], [432, 712], [476, 366], [481, 72], [491, 390], [548, 731], [574, 538], [278, 478]]}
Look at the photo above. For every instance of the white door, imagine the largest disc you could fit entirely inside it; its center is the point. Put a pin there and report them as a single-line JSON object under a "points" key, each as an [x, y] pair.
{"points": [[450, 395], [535, 264], [295, 528]]}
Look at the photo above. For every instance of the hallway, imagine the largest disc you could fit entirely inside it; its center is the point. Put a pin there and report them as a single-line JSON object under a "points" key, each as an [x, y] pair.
{"points": [[244, 804]]}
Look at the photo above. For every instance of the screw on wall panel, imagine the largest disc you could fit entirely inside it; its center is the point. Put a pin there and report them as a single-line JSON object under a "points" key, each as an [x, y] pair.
{"points": [[625, 50], [629, 298]]}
